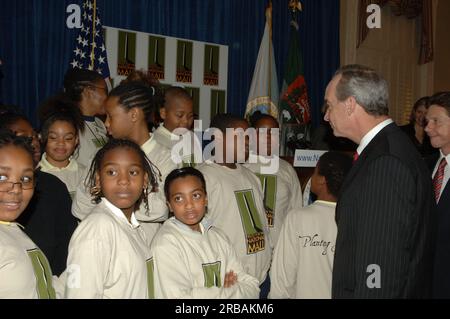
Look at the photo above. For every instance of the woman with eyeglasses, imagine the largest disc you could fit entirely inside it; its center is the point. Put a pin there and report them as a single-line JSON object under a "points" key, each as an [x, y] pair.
{"points": [[88, 90], [24, 270], [47, 220]]}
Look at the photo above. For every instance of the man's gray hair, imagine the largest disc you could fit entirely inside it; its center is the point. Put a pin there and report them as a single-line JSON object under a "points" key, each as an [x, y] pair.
{"points": [[368, 88]]}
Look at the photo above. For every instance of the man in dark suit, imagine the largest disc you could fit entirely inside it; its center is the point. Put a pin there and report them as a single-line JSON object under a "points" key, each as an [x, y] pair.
{"points": [[438, 128], [384, 245]]}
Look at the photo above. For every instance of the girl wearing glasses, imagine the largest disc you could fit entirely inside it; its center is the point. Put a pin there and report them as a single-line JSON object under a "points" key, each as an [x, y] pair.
{"points": [[47, 219], [24, 269]]}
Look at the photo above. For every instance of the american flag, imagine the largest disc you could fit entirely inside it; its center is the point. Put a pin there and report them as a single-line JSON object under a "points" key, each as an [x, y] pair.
{"points": [[90, 50]]}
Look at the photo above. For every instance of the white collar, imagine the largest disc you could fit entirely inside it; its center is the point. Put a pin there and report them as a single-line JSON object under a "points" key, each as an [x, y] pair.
{"points": [[119, 214], [324, 202], [46, 165], [164, 131], [371, 134], [441, 156], [204, 224], [149, 145], [210, 162], [262, 159]]}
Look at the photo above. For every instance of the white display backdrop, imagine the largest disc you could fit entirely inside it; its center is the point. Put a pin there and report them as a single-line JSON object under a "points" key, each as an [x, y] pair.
{"points": [[140, 51]]}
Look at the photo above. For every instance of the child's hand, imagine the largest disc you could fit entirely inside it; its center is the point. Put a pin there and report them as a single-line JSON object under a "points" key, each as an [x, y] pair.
{"points": [[230, 279]]}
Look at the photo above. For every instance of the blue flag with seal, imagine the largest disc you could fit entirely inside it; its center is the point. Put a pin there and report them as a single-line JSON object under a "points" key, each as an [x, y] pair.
{"points": [[263, 95]]}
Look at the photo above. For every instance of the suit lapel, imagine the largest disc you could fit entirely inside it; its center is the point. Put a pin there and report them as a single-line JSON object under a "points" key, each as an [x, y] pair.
{"points": [[365, 154], [445, 198], [431, 162], [362, 161]]}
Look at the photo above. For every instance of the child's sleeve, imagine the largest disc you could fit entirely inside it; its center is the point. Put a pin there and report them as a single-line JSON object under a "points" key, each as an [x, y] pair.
{"points": [[82, 201], [215, 194], [157, 208], [173, 278], [296, 199], [247, 286], [283, 273], [87, 263]]}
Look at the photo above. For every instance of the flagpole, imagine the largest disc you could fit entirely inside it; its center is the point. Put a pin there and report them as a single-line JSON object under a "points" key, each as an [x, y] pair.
{"points": [[156, 51], [93, 34], [269, 18]]}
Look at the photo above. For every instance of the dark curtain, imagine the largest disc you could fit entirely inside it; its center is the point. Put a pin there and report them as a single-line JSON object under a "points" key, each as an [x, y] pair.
{"points": [[35, 44]]}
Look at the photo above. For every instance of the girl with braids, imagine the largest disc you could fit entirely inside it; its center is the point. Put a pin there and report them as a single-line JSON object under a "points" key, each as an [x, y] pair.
{"points": [[109, 252], [88, 90], [59, 137], [128, 108], [175, 111], [147, 79], [24, 269]]}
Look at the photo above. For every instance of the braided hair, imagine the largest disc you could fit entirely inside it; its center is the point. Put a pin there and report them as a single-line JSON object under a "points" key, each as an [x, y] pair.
{"points": [[141, 95], [76, 80], [142, 76]]}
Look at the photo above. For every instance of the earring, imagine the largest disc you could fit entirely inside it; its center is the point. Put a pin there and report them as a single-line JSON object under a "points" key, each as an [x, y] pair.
{"points": [[95, 191]]}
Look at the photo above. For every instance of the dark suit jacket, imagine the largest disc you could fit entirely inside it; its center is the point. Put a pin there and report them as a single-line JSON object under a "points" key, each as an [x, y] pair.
{"points": [[441, 281], [385, 218], [48, 220], [425, 149]]}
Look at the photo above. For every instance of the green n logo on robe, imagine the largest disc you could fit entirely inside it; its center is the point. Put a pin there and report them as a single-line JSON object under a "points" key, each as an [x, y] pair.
{"points": [[188, 161], [150, 278], [43, 274], [251, 221], [269, 186], [212, 274]]}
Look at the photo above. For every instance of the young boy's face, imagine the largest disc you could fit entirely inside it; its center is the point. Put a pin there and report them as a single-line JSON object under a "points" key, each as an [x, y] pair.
{"points": [[240, 152], [177, 113], [268, 125]]}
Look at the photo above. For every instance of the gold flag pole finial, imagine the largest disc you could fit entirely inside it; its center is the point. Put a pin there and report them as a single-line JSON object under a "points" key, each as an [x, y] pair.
{"points": [[295, 5], [94, 18], [269, 21]]}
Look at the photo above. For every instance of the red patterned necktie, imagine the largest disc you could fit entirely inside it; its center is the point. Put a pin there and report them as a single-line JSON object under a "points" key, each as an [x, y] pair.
{"points": [[438, 178], [355, 157]]}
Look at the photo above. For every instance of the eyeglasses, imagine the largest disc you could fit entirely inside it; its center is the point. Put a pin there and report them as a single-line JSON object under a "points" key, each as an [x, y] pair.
{"points": [[29, 139], [9, 186], [100, 87]]}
